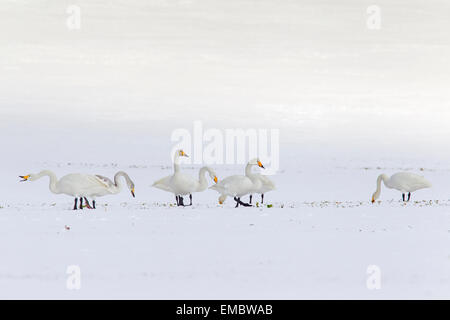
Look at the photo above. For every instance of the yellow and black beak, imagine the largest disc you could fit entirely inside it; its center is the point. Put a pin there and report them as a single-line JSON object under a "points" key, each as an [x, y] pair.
{"points": [[183, 154], [373, 200], [215, 179], [260, 165], [132, 193], [25, 178]]}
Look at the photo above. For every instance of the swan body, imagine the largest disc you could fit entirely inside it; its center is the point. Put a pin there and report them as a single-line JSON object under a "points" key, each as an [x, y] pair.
{"points": [[238, 186], [181, 184], [81, 186], [404, 182], [184, 184], [234, 186]]}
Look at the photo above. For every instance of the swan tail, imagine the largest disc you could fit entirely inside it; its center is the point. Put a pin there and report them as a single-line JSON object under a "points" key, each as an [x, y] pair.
{"points": [[162, 184]]}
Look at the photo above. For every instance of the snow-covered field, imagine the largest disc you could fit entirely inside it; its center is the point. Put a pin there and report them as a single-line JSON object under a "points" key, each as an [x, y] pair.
{"points": [[350, 103]]}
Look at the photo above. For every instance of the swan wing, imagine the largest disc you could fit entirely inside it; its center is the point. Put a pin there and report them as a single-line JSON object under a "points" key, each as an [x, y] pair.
{"points": [[267, 184], [105, 181], [410, 182], [81, 185]]}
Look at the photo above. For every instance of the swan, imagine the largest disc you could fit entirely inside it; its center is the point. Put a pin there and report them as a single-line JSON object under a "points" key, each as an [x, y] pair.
{"points": [[183, 184], [266, 186], [79, 185], [238, 185], [404, 182], [111, 187]]}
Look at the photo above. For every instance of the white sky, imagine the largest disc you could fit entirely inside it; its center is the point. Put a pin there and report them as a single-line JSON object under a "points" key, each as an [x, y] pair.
{"points": [[139, 69]]}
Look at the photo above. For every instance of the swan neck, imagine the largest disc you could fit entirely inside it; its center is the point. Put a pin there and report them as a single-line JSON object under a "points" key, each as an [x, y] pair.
{"points": [[176, 162], [53, 184], [202, 182], [202, 173], [119, 182], [385, 179], [248, 170]]}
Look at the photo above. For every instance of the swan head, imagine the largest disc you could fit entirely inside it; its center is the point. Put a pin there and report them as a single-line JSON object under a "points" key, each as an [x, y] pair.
{"points": [[212, 175], [375, 196], [222, 199], [256, 162], [131, 187], [181, 153], [33, 177], [28, 177]]}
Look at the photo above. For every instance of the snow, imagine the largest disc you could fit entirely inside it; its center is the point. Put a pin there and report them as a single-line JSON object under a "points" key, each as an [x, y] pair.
{"points": [[350, 103]]}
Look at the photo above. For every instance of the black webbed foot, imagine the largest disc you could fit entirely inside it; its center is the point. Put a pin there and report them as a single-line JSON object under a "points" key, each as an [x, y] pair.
{"points": [[239, 202]]}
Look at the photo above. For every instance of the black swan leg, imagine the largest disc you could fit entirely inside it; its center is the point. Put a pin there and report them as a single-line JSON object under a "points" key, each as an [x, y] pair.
{"points": [[262, 198], [251, 197], [181, 201], [75, 207], [88, 205], [237, 201], [81, 203], [93, 204], [190, 198], [409, 196], [403, 196]]}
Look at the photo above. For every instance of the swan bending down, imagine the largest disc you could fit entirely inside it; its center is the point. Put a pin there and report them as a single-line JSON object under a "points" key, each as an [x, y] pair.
{"points": [[82, 185], [238, 186], [112, 187], [266, 186], [404, 182], [181, 184]]}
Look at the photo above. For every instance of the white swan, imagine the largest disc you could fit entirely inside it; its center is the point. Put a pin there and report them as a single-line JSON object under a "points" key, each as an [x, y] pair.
{"points": [[404, 182], [238, 186], [181, 184], [80, 185], [112, 187], [266, 186]]}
